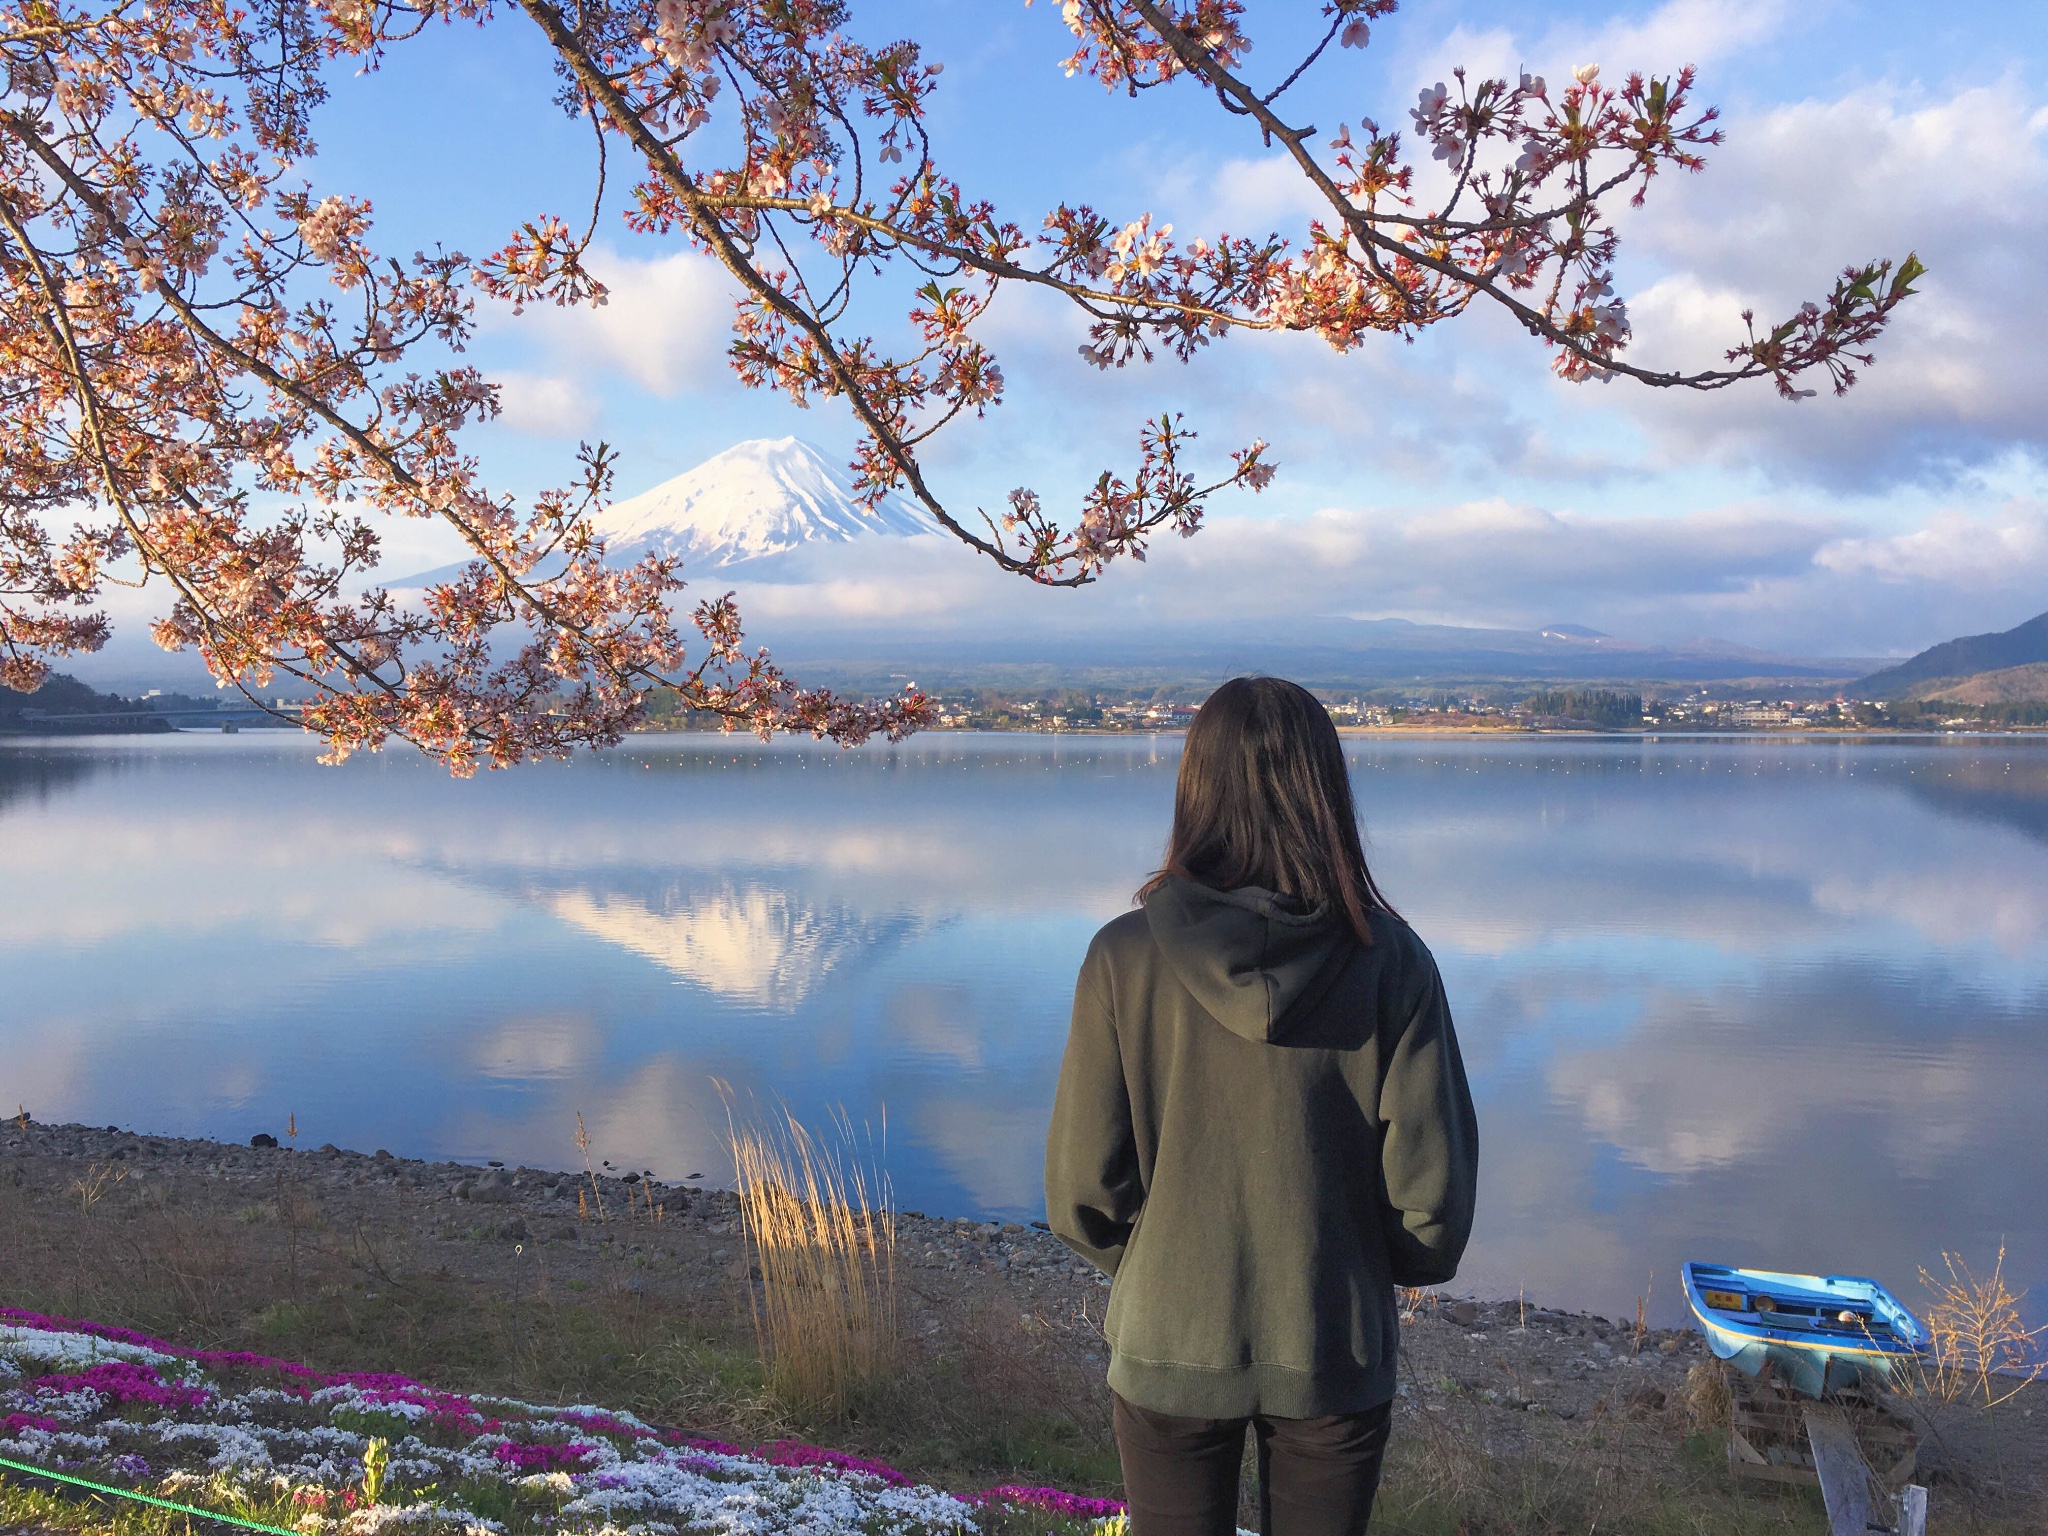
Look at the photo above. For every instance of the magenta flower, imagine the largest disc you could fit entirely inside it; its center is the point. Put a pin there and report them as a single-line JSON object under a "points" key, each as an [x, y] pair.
{"points": [[543, 1458], [1053, 1500], [123, 1381]]}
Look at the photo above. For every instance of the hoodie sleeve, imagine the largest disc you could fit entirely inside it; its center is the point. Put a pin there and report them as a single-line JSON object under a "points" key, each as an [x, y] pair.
{"points": [[1093, 1190], [1429, 1155]]}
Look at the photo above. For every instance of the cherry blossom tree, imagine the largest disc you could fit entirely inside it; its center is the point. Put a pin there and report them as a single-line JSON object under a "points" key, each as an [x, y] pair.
{"points": [[214, 379]]}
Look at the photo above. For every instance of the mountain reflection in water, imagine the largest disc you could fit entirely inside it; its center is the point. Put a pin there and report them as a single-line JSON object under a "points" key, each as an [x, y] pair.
{"points": [[750, 944], [1761, 1001]]}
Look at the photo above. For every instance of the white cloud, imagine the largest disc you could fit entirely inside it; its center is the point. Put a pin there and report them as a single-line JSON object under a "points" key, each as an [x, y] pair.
{"points": [[544, 405], [2002, 549], [664, 324], [1803, 189], [1676, 33]]}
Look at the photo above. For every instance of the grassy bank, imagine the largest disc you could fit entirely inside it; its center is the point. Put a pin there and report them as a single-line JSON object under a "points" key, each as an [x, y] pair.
{"points": [[1512, 1419]]}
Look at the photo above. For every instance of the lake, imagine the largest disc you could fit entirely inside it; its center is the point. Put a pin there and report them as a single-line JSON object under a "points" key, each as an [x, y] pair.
{"points": [[1763, 1001]]}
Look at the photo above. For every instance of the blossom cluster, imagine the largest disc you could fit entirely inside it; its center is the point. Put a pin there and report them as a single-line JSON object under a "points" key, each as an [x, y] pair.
{"points": [[200, 1426]]}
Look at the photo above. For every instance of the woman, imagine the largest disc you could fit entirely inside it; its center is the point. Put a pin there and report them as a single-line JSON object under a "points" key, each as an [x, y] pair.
{"points": [[1262, 1127]]}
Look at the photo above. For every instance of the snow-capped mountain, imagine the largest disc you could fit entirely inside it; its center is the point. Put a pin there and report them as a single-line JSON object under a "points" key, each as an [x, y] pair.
{"points": [[762, 497]]}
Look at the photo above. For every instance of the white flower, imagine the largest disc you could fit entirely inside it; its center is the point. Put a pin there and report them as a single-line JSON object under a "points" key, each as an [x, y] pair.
{"points": [[1586, 74], [1356, 34], [72, 1349], [1427, 104], [547, 1482]]}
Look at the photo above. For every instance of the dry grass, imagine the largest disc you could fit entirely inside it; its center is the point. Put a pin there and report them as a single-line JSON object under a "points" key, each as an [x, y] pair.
{"points": [[1709, 1406], [98, 1180], [824, 1240], [1411, 1301], [1983, 1350]]}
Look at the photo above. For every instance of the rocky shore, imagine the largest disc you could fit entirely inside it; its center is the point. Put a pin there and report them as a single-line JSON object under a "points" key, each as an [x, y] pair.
{"points": [[493, 1203]]}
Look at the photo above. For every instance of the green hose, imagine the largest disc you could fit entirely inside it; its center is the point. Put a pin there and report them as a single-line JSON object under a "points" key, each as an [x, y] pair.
{"points": [[145, 1498]]}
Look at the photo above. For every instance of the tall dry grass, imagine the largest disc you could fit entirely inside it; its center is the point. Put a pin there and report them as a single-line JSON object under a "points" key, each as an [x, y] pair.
{"points": [[1983, 1349], [817, 1214]]}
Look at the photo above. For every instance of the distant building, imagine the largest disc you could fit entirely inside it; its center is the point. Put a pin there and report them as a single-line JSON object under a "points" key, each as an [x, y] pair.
{"points": [[1760, 714]]}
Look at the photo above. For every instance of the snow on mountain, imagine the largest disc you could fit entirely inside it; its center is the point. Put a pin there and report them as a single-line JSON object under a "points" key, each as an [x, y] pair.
{"points": [[762, 497]]}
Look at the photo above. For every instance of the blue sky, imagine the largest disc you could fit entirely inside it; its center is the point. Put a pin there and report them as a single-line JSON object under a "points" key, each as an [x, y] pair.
{"points": [[1452, 480]]}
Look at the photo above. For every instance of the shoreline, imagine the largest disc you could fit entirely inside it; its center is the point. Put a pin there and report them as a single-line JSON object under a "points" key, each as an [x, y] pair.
{"points": [[1389, 732], [492, 1279]]}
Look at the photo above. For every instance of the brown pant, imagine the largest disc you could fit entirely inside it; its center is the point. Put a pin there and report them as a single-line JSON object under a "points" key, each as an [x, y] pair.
{"points": [[1317, 1477]]}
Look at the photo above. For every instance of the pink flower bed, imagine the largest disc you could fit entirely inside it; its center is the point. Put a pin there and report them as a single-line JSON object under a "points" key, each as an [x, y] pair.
{"points": [[124, 1381]]}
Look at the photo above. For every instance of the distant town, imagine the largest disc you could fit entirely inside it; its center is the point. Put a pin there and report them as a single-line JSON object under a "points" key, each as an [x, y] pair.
{"points": [[1170, 709], [66, 707]]}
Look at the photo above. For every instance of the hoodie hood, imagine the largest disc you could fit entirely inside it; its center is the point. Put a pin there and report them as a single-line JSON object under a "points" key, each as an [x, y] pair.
{"points": [[1247, 956]]}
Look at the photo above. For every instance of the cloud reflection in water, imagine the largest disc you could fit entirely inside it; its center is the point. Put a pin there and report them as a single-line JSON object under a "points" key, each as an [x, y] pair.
{"points": [[1756, 1001]]}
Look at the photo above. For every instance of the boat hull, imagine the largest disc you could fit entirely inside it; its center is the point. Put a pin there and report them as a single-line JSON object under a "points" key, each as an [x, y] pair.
{"points": [[1816, 1333]]}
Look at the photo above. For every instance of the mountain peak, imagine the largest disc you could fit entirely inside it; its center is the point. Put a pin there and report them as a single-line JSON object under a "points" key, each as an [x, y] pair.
{"points": [[765, 496]]}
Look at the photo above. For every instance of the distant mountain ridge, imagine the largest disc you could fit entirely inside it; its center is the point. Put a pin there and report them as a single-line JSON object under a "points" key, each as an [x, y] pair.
{"points": [[2020, 646]]}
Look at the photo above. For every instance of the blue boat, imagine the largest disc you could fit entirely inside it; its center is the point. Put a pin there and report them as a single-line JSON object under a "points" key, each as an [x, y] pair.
{"points": [[1818, 1333]]}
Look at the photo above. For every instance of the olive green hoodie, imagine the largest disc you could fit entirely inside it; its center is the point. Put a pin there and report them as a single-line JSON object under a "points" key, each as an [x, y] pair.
{"points": [[1262, 1127]]}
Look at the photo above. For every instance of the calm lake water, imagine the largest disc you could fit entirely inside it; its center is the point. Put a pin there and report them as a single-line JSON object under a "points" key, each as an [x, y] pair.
{"points": [[1759, 1001]]}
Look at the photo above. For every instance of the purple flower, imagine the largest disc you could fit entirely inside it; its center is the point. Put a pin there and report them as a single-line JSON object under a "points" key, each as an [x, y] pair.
{"points": [[715, 1447], [543, 1458], [14, 1423], [1053, 1500], [130, 1466], [788, 1453], [123, 1381]]}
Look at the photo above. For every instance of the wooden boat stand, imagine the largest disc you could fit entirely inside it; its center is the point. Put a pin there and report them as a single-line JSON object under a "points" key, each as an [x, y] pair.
{"points": [[1850, 1444]]}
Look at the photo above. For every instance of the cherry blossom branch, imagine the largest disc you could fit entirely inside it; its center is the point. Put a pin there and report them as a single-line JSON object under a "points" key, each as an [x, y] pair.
{"points": [[130, 386], [1644, 119], [789, 342]]}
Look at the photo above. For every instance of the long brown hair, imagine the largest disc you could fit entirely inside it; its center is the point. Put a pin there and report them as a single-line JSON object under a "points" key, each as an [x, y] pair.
{"points": [[1263, 799]]}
